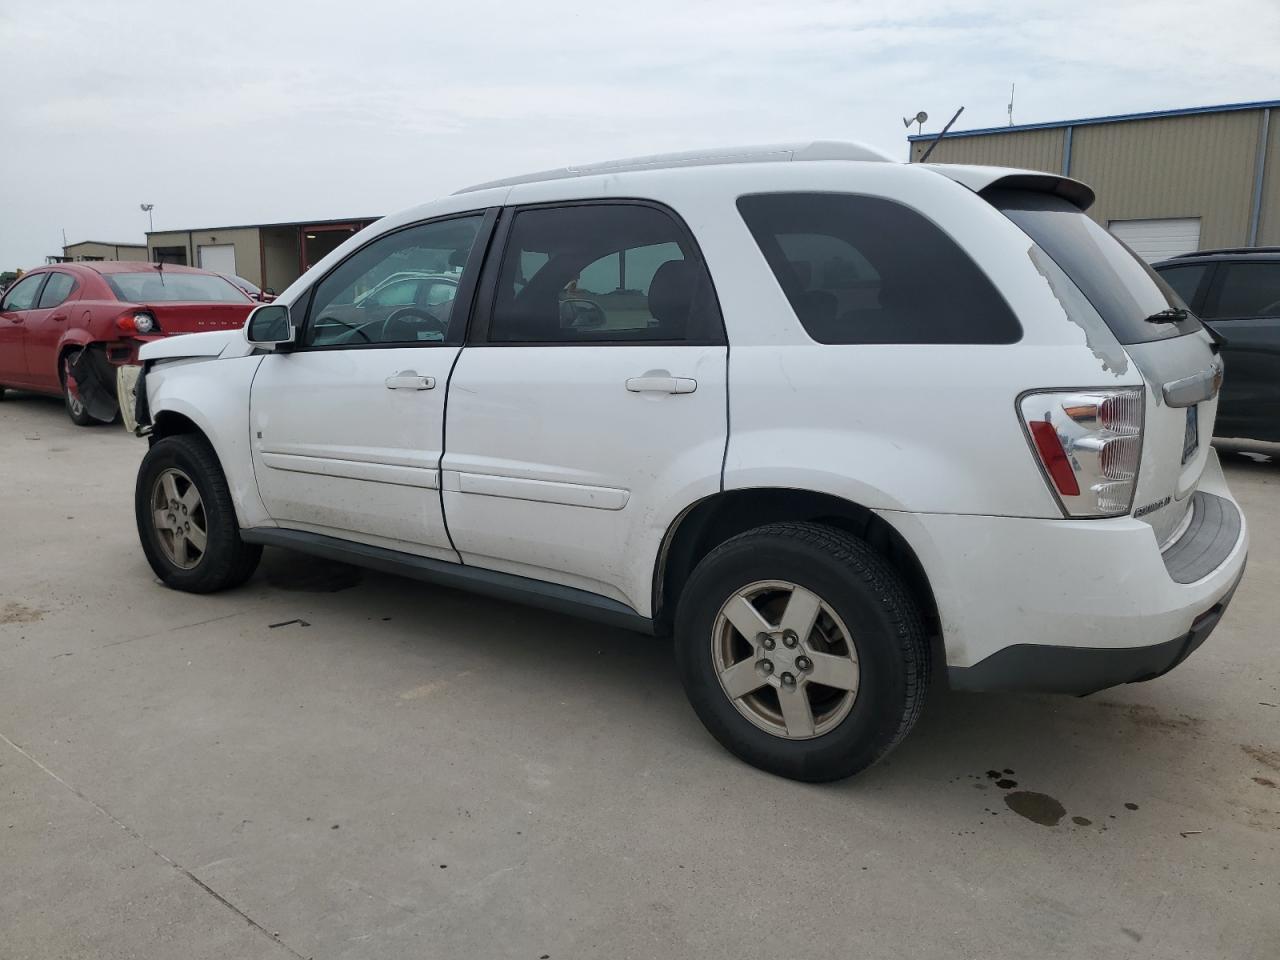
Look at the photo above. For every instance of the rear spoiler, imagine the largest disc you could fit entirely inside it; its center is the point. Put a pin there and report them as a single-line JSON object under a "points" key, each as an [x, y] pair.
{"points": [[982, 179]]}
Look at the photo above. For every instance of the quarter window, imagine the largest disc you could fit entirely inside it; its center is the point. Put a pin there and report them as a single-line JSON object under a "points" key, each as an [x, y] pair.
{"points": [[1248, 290], [57, 289], [868, 270], [399, 289], [602, 273]]}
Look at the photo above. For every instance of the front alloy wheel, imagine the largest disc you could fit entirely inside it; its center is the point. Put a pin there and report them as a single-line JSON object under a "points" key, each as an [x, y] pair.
{"points": [[179, 518]]}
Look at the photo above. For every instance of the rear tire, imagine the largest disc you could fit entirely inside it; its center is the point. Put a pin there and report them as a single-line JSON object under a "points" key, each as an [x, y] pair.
{"points": [[76, 409], [186, 518], [836, 673]]}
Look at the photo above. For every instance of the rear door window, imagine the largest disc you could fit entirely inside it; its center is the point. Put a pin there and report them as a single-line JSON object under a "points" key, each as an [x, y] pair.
{"points": [[868, 270], [57, 289], [1187, 280], [1247, 289], [1119, 284]]}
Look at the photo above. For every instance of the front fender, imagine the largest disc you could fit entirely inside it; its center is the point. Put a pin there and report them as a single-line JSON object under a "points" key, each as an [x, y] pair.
{"points": [[214, 395]]}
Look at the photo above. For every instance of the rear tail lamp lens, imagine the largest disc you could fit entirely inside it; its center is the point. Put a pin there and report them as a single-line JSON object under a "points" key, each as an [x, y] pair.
{"points": [[137, 321], [1089, 444]]}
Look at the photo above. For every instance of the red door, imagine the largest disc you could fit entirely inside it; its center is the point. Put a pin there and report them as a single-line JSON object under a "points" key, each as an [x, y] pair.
{"points": [[46, 325], [14, 310]]}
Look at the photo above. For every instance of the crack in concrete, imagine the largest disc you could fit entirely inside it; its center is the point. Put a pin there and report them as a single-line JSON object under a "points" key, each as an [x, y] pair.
{"points": [[170, 861]]}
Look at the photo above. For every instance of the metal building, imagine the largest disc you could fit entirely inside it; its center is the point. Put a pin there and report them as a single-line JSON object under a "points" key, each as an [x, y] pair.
{"points": [[271, 255], [1168, 182], [100, 250]]}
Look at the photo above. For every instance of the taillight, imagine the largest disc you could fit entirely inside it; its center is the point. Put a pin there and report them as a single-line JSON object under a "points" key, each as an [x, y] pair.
{"points": [[137, 321], [1089, 444]]}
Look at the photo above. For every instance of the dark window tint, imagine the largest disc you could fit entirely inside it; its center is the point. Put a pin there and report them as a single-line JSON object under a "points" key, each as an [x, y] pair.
{"points": [[868, 270], [57, 289], [157, 286], [397, 289], [1248, 290], [601, 273], [1119, 284], [1185, 280], [22, 295]]}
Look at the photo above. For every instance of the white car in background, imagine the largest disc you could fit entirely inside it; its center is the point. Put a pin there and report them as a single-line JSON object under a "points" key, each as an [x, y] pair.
{"points": [[826, 418]]}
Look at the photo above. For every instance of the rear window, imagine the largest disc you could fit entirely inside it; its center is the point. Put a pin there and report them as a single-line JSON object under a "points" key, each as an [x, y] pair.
{"points": [[160, 286], [1119, 284], [868, 270]]}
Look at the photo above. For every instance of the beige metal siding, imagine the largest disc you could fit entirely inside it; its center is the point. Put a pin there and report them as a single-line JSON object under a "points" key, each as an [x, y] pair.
{"points": [[1027, 149], [1191, 166], [174, 238], [246, 243], [1269, 216], [105, 251]]}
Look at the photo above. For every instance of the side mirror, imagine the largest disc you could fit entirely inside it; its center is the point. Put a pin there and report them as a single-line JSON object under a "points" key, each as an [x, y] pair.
{"points": [[268, 326]]}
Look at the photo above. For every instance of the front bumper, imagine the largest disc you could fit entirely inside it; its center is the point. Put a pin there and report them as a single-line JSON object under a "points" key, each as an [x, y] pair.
{"points": [[1075, 605]]}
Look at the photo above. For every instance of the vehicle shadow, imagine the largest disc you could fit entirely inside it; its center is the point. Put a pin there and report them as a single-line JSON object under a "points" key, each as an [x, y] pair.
{"points": [[1248, 453], [1049, 742]]}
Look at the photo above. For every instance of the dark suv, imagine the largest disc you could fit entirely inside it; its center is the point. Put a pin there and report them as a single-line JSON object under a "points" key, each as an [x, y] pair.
{"points": [[1238, 292]]}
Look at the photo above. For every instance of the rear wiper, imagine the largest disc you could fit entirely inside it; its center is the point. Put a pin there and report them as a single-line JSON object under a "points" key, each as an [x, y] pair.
{"points": [[1168, 315]]}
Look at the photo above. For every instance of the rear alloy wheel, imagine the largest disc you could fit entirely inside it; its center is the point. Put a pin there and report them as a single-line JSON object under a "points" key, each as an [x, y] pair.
{"points": [[802, 650], [186, 518], [76, 409]]}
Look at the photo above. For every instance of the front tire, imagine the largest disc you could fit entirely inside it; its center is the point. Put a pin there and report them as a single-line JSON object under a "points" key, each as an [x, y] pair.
{"points": [[186, 518], [802, 651]]}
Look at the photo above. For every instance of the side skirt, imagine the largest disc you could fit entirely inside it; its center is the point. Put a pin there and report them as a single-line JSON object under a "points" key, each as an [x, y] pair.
{"points": [[490, 583]]}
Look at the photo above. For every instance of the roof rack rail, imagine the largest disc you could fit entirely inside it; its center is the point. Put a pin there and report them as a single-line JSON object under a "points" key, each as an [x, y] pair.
{"points": [[765, 153], [1225, 250]]}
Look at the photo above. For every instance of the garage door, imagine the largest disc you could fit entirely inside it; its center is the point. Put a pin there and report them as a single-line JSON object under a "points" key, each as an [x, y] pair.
{"points": [[1155, 240], [219, 257]]}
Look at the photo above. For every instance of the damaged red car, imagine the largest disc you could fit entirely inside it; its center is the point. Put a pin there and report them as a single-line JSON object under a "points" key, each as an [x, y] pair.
{"points": [[67, 327]]}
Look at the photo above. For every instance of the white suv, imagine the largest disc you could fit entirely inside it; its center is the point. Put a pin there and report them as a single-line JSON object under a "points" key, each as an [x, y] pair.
{"points": [[829, 419]]}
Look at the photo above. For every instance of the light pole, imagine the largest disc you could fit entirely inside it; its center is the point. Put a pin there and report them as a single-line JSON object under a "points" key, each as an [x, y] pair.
{"points": [[147, 208]]}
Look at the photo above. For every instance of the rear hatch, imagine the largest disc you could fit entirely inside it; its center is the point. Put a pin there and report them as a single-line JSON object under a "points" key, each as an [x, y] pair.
{"points": [[1170, 347]]}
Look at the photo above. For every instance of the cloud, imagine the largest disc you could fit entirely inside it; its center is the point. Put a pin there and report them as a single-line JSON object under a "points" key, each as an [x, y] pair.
{"points": [[250, 112]]}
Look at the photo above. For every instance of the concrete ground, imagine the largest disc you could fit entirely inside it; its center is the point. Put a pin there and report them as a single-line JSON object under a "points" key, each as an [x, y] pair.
{"points": [[335, 764]]}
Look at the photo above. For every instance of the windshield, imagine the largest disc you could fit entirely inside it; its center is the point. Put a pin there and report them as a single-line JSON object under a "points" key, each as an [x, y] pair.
{"points": [[1119, 284], [159, 286]]}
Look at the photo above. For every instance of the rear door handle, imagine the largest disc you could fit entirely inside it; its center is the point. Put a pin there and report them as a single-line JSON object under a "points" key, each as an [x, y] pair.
{"points": [[662, 385], [409, 380], [59, 317]]}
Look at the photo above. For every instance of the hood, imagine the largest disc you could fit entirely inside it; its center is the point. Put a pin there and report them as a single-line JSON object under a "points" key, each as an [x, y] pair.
{"points": [[216, 343]]}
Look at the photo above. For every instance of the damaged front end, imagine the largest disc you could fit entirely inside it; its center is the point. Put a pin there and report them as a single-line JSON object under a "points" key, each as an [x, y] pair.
{"points": [[91, 378]]}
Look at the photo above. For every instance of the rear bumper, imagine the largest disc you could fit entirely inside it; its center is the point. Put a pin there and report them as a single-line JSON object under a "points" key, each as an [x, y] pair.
{"points": [[1084, 670], [1076, 605]]}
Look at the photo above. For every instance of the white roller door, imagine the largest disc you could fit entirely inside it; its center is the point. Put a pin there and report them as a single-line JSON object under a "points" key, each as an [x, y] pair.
{"points": [[219, 257], [1155, 240]]}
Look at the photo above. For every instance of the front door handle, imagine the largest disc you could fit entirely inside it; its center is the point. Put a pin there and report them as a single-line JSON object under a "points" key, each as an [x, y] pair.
{"points": [[409, 380], [662, 385]]}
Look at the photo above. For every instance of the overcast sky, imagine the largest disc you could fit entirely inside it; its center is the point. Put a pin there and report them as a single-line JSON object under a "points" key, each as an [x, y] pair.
{"points": [[230, 112]]}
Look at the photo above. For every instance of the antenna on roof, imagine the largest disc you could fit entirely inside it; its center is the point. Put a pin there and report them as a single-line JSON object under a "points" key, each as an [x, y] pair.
{"points": [[941, 133], [1012, 87]]}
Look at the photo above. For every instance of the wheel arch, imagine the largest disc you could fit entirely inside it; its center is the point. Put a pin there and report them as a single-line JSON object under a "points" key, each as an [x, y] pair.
{"points": [[711, 521]]}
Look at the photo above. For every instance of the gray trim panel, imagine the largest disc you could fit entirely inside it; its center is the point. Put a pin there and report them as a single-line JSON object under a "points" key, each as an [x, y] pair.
{"points": [[1208, 540], [491, 583]]}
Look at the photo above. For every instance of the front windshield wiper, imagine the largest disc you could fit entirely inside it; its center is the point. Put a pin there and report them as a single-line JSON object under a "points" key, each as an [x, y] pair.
{"points": [[1168, 315]]}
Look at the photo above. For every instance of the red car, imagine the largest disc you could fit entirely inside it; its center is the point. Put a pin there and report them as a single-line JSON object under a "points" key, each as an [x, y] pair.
{"points": [[64, 328]]}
